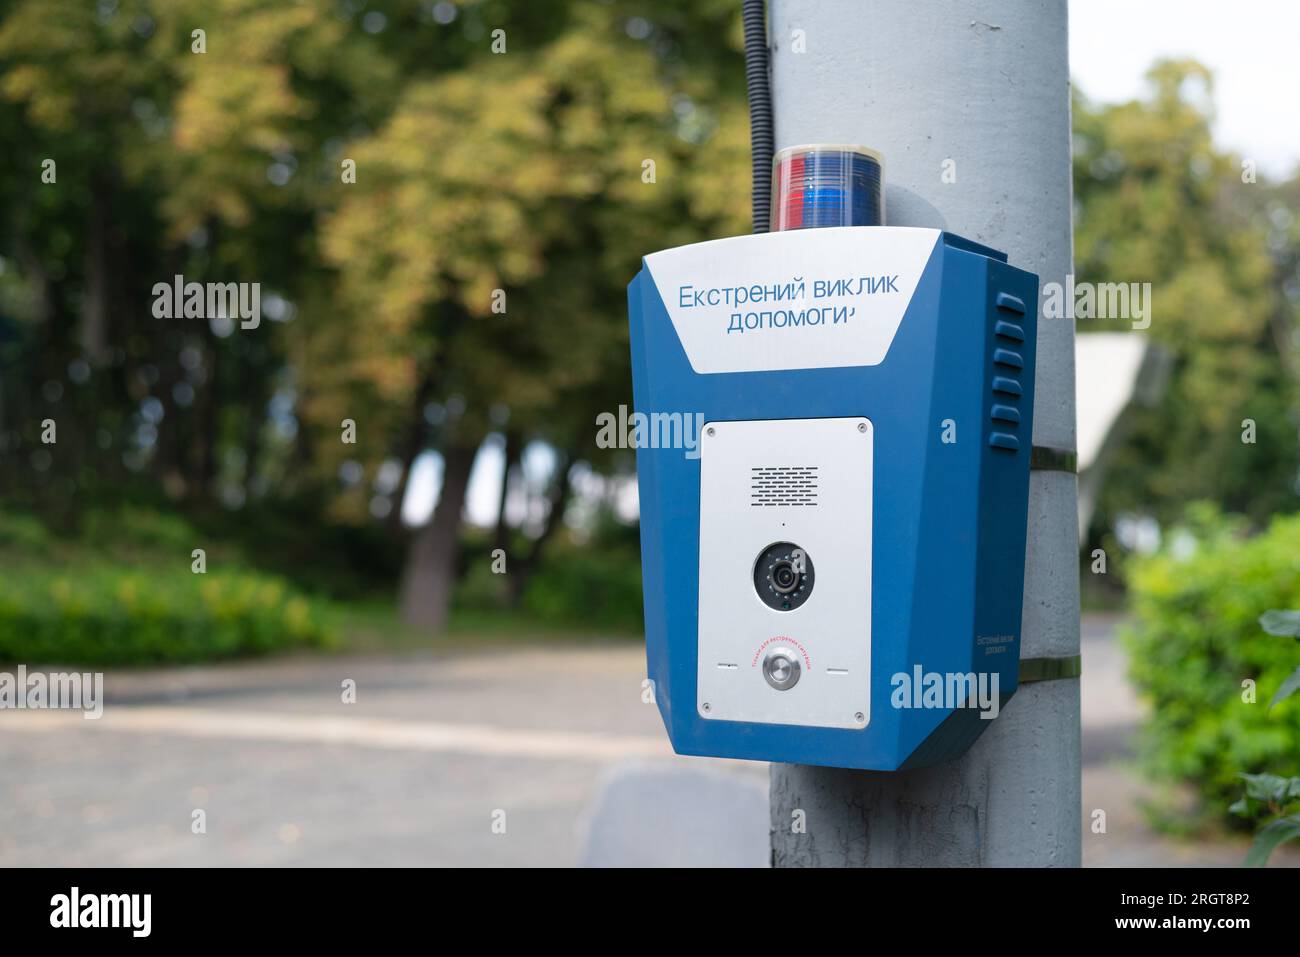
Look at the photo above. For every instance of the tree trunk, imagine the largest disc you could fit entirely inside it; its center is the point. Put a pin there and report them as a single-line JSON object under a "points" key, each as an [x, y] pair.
{"points": [[513, 448], [412, 446], [430, 572], [558, 498], [203, 472], [94, 313]]}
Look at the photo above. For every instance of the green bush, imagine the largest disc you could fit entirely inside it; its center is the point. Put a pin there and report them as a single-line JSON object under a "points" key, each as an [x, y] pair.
{"points": [[1195, 639], [122, 593], [104, 614], [479, 589], [23, 535], [589, 587], [597, 587], [130, 526]]}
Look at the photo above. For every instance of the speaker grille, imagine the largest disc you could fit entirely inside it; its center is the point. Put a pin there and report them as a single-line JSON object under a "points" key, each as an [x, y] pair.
{"points": [[783, 485]]}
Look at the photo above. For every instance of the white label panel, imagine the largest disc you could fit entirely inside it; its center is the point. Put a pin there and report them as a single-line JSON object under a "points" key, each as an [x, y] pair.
{"points": [[866, 275], [830, 520]]}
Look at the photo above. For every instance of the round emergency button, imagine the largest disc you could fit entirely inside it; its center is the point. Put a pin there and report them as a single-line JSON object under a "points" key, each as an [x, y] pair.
{"points": [[781, 669]]}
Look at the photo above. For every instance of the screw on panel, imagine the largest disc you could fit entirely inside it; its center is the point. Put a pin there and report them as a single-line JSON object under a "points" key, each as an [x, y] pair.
{"points": [[711, 431], [862, 426], [707, 707], [860, 716]]}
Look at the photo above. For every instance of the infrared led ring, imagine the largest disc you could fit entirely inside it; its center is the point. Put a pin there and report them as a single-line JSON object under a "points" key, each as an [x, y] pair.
{"points": [[783, 576]]}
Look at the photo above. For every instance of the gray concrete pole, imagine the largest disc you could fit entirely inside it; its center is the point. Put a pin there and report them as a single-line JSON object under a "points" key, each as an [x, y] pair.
{"points": [[981, 89]]}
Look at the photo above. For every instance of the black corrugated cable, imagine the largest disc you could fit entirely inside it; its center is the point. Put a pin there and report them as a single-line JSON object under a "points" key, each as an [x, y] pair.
{"points": [[753, 12]]}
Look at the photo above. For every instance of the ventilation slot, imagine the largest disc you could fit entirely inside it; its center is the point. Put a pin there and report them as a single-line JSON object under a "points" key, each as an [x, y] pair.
{"points": [[783, 485]]}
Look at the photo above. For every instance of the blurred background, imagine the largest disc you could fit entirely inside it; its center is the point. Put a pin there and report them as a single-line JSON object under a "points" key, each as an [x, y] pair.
{"points": [[391, 486]]}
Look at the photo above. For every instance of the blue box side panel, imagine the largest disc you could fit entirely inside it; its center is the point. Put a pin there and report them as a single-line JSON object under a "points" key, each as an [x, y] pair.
{"points": [[991, 578], [943, 597], [1004, 520], [653, 587]]}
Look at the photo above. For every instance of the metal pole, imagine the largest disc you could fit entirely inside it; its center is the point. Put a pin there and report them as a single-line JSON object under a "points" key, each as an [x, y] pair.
{"points": [[970, 103]]}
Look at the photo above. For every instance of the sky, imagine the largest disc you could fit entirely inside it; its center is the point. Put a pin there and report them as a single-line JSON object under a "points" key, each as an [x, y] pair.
{"points": [[1253, 47]]}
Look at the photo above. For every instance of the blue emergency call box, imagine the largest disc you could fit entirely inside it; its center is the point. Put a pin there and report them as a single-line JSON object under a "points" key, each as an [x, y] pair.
{"points": [[833, 449]]}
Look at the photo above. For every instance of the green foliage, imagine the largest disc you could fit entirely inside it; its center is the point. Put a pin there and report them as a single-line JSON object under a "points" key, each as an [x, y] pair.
{"points": [[106, 615], [1271, 789], [77, 602], [521, 176], [597, 586], [1277, 793], [1282, 623], [135, 527], [474, 172], [1272, 793], [24, 535], [1196, 638], [1157, 202], [589, 586], [481, 590], [1270, 836]]}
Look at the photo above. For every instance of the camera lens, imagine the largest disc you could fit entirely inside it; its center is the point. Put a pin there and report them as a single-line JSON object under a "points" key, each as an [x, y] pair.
{"points": [[784, 578]]}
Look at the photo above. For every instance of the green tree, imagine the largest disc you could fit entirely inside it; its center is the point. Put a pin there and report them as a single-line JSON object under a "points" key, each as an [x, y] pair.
{"points": [[1157, 202], [169, 161], [522, 172], [531, 182]]}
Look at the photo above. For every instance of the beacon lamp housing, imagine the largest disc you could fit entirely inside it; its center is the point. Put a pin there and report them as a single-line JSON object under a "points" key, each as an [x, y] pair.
{"points": [[855, 509]]}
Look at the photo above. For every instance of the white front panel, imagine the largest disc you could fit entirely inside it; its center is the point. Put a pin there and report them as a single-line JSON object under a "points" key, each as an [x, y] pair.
{"points": [[826, 511], [700, 285]]}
